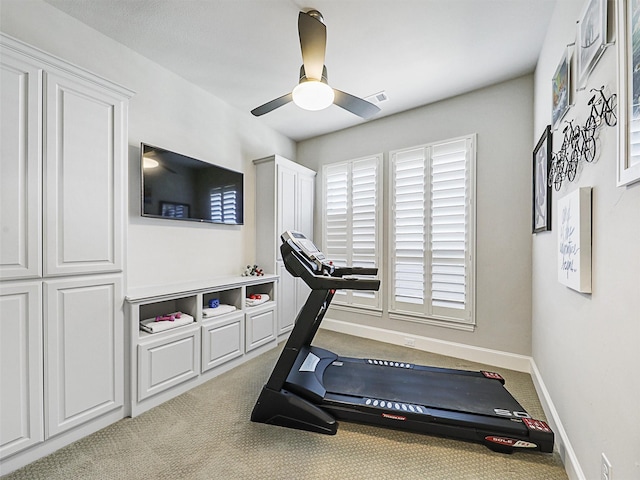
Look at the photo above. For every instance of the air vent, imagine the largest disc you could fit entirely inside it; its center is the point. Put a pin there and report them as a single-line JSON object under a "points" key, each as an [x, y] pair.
{"points": [[377, 98]]}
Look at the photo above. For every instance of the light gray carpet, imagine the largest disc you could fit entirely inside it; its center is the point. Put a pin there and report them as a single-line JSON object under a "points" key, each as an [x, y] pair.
{"points": [[206, 434]]}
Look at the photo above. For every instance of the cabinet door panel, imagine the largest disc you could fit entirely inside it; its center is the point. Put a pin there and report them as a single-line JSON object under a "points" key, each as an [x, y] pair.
{"points": [[84, 340], [260, 328], [222, 340], [84, 188], [286, 201], [21, 375], [287, 309], [304, 205], [167, 362], [20, 169]]}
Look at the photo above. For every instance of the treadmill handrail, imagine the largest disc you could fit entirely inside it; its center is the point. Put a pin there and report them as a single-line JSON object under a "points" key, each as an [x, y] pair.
{"points": [[298, 266], [342, 271]]}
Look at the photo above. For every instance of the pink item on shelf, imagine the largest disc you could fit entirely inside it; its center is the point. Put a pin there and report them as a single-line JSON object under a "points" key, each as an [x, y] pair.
{"points": [[168, 318]]}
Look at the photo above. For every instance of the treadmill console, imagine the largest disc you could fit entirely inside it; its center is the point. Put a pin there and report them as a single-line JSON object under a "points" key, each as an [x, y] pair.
{"points": [[308, 249]]}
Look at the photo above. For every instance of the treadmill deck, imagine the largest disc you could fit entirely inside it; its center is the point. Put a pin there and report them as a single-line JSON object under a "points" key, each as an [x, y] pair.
{"points": [[430, 388]]}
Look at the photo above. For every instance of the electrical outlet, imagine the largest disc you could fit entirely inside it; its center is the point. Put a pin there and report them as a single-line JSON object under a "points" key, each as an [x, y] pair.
{"points": [[410, 342], [605, 469]]}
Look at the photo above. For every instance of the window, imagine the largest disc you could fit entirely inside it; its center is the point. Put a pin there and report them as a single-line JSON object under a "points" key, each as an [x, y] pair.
{"points": [[224, 204], [433, 233], [351, 221]]}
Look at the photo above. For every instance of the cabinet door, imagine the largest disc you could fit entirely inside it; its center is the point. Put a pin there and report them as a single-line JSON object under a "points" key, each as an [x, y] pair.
{"points": [[85, 189], [168, 361], [20, 168], [84, 349], [304, 204], [287, 219], [222, 340], [260, 327], [287, 308], [21, 375]]}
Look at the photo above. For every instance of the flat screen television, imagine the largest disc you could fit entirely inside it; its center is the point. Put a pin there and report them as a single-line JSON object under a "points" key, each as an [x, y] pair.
{"points": [[179, 187]]}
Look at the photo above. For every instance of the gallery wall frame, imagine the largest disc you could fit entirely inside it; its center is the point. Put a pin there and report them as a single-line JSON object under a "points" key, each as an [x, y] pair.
{"points": [[574, 240], [541, 210], [561, 89], [591, 38], [628, 168]]}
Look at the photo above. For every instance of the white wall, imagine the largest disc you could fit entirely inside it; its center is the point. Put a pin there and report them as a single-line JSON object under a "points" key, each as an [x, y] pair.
{"points": [[587, 347], [501, 115], [170, 112]]}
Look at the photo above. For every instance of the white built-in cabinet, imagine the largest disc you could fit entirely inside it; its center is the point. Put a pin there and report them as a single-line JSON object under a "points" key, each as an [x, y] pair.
{"points": [[168, 363], [62, 225], [284, 201]]}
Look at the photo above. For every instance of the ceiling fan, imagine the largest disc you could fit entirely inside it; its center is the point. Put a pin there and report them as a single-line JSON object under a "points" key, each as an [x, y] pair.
{"points": [[313, 91]]}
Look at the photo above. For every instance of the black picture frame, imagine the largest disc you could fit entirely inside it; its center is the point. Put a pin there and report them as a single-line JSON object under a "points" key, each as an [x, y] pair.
{"points": [[541, 207]]}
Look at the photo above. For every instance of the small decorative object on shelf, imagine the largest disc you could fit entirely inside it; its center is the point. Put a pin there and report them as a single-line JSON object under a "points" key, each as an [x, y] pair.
{"points": [[161, 323], [253, 271], [256, 299], [168, 318], [214, 303]]}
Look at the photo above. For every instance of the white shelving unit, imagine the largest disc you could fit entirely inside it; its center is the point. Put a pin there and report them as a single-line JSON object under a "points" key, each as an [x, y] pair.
{"points": [[171, 362]]}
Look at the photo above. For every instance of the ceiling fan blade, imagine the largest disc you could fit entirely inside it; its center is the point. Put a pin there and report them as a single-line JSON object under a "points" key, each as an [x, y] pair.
{"points": [[272, 105], [313, 42], [355, 105]]}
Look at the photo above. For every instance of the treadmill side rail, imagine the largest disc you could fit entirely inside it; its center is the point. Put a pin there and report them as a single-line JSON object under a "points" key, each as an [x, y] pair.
{"points": [[287, 409]]}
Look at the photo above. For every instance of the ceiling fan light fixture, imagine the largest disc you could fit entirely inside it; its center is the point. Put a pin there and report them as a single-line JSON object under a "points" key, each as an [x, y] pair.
{"points": [[313, 95]]}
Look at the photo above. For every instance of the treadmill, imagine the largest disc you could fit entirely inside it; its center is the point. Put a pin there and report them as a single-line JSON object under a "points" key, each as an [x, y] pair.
{"points": [[311, 388]]}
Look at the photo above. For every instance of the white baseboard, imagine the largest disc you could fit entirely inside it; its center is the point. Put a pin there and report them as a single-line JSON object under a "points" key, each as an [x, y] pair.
{"points": [[496, 358], [563, 445]]}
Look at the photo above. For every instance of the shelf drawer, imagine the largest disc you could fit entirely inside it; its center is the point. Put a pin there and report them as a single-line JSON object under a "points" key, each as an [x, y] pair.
{"points": [[168, 361], [222, 340]]}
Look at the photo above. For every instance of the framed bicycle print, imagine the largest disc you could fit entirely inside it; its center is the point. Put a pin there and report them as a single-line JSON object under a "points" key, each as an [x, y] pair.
{"points": [[541, 211], [561, 90], [629, 92], [592, 37]]}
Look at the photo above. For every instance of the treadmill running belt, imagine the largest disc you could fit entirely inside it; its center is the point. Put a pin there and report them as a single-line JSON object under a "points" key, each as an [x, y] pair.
{"points": [[445, 391]]}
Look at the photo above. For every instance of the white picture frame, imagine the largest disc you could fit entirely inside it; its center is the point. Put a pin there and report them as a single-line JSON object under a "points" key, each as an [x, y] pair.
{"points": [[561, 90], [574, 240], [628, 167], [591, 38]]}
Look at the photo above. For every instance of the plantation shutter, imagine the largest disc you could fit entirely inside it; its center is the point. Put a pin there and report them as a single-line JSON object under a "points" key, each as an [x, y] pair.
{"points": [[432, 239], [336, 211], [408, 256], [351, 220], [364, 225], [449, 225]]}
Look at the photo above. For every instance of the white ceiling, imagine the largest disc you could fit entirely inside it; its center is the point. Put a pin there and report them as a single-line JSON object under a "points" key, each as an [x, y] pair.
{"points": [[247, 52]]}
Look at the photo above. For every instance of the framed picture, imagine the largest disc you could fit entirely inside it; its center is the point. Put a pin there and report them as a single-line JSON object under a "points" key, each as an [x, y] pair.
{"points": [[561, 90], [541, 189], [574, 240], [592, 37], [629, 92]]}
